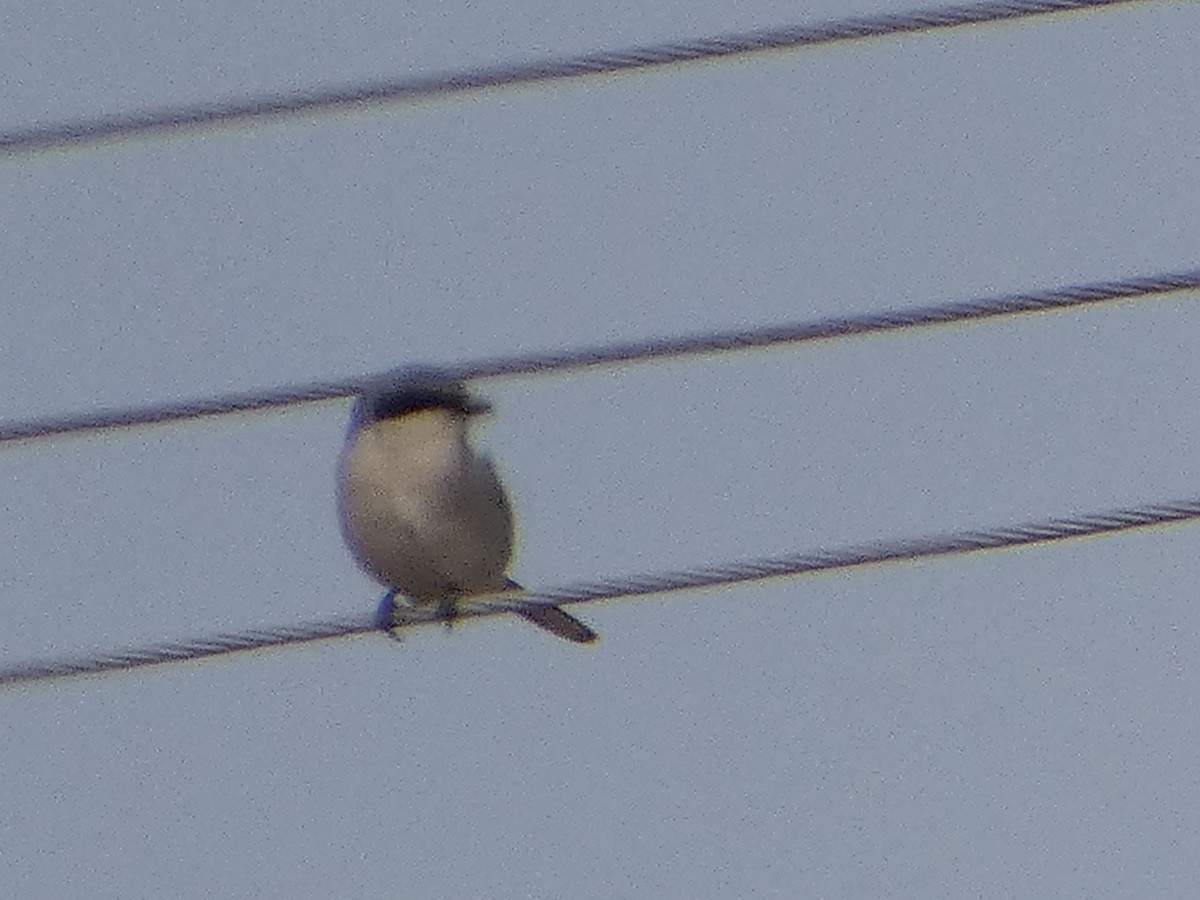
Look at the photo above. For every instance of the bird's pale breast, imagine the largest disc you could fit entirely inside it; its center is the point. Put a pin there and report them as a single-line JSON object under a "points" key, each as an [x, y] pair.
{"points": [[423, 513]]}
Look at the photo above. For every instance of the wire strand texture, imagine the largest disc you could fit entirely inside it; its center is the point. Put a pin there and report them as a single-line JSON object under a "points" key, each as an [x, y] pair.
{"points": [[1135, 288], [1051, 531], [89, 131]]}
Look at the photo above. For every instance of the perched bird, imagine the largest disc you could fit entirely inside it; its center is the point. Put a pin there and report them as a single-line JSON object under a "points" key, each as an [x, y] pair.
{"points": [[421, 510]]}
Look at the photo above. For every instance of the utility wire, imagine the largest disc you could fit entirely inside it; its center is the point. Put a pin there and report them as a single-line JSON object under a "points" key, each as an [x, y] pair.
{"points": [[230, 112], [637, 586], [635, 351]]}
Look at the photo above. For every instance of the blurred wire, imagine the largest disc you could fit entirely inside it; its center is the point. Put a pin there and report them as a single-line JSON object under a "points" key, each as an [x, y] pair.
{"points": [[89, 131], [185, 650], [637, 586], [634, 351]]}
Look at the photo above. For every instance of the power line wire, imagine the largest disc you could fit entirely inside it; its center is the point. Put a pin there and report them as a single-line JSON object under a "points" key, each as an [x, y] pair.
{"points": [[101, 128], [634, 351], [1050, 531]]}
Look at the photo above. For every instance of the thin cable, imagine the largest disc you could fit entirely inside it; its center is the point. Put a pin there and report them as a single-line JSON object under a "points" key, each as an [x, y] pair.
{"points": [[195, 649], [637, 586], [1141, 288], [230, 112], [635, 351]]}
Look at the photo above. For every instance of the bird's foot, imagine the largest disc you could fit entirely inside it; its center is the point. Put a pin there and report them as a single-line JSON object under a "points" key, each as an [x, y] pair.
{"points": [[385, 616], [447, 612]]}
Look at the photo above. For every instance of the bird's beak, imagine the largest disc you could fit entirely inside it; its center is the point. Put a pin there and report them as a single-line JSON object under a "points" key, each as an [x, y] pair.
{"points": [[477, 407]]}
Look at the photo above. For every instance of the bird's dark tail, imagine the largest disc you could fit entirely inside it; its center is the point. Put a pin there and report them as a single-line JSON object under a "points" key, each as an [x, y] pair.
{"points": [[558, 622], [551, 618], [555, 620]]}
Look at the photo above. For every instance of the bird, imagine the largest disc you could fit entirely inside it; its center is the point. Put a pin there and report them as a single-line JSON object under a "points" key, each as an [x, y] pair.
{"points": [[421, 510]]}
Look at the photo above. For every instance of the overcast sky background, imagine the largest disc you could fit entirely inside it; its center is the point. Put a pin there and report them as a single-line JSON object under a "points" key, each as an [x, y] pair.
{"points": [[1007, 724]]}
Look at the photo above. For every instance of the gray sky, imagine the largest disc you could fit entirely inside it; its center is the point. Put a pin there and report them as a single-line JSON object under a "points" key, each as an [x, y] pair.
{"points": [[1007, 724]]}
